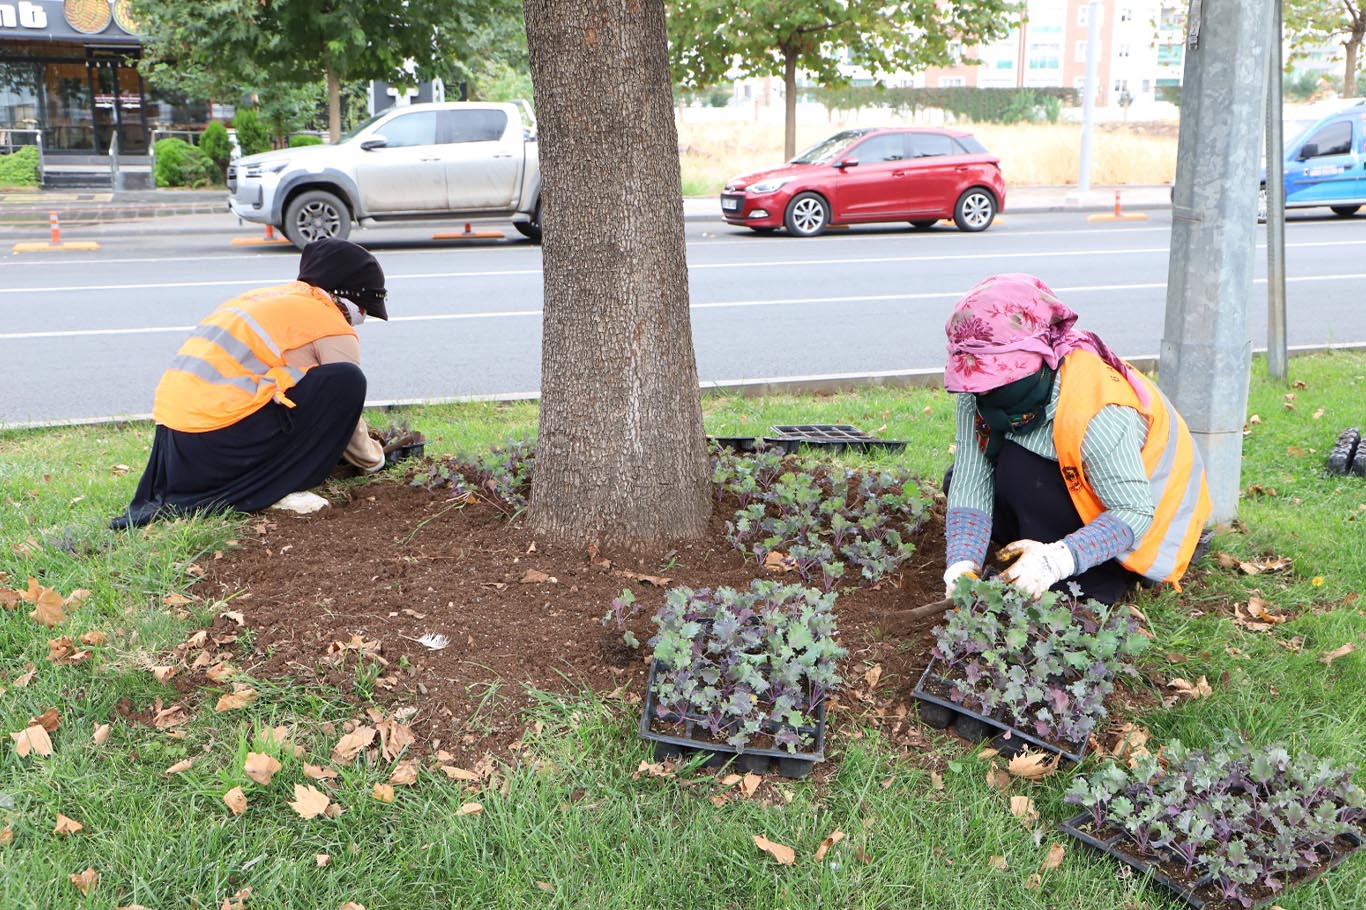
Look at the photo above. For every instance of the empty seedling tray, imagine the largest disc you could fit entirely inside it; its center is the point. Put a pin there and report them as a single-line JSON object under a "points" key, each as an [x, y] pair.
{"points": [[778, 761], [940, 713], [1199, 892], [737, 443], [834, 436]]}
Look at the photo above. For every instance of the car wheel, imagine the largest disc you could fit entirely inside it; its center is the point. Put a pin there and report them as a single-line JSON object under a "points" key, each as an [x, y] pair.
{"points": [[316, 215], [531, 230], [808, 215], [975, 211], [924, 224], [1345, 211], [1262, 205]]}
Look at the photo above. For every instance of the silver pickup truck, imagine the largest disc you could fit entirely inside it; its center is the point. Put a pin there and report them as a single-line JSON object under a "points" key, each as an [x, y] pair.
{"points": [[448, 160]]}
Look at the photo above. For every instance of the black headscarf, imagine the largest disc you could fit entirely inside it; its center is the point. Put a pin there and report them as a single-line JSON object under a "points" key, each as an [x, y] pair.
{"points": [[1012, 408], [345, 269]]}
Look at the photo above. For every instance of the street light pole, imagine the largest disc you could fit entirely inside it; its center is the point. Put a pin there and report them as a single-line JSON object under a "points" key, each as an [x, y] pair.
{"points": [[1276, 352], [1206, 353], [1088, 105]]}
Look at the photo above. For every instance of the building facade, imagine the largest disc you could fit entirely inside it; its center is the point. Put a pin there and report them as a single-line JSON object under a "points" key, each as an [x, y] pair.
{"points": [[68, 70]]}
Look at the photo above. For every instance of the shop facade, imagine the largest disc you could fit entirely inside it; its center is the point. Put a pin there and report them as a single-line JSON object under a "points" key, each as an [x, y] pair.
{"points": [[68, 69]]}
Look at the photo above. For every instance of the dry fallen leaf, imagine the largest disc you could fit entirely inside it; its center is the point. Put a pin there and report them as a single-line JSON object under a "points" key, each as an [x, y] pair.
{"points": [[32, 740], [241, 696], [872, 676], [1265, 564], [86, 881], [404, 774], [163, 674], [834, 838], [1034, 882], [998, 778], [351, 905], [470, 809], [1330, 656], [66, 825], [47, 604], [49, 720], [178, 767], [318, 773], [1022, 807], [260, 767], [220, 673], [785, 855], [322, 859], [235, 800], [750, 783], [998, 863], [309, 802], [24, 679], [658, 581], [1054, 858], [936, 781], [536, 577], [383, 792], [101, 734], [237, 902], [778, 561], [6, 835], [1184, 688], [394, 738], [350, 745], [455, 773], [1032, 766]]}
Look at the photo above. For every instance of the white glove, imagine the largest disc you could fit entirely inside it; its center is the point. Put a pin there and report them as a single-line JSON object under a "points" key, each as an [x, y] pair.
{"points": [[957, 571], [1039, 567]]}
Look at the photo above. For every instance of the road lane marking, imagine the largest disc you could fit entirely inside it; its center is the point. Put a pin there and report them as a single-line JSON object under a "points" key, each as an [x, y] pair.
{"points": [[709, 305]]}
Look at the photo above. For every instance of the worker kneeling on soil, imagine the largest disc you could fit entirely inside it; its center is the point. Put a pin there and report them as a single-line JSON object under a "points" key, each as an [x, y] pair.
{"points": [[266, 395], [1065, 453]]}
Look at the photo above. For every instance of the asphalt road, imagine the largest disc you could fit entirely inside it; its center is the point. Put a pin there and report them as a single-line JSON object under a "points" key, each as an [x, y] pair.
{"points": [[86, 335]]}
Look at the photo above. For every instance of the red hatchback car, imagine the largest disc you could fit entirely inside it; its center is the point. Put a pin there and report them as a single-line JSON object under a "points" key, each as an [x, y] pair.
{"points": [[868, 175]]}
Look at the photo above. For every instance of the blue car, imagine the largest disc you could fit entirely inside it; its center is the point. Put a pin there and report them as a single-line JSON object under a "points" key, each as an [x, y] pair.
{"points": [[1325, 159]]}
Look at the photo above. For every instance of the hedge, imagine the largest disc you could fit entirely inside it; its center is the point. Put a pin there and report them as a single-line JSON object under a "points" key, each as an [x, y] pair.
{"points": [[252, 134], [180, 164], [980, 105], [215, 143], [304, 139], [20, 168]]}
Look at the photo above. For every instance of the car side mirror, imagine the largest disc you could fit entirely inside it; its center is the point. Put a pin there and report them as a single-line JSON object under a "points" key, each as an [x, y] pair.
{"points": [[847, 162], [1309, 150], [374, 142]]}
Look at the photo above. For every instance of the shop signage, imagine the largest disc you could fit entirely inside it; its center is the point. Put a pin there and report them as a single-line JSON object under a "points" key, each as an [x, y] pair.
{"points": [[69, 20], [23, 14]]}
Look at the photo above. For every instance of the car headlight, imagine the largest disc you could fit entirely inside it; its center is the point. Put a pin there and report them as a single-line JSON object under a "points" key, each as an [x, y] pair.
{"points": [[767, 186], [274, 167]]}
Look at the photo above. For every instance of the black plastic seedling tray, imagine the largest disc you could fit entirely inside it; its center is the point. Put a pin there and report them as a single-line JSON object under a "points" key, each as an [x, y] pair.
{"points": [[1189, 892], [941, 713], [763, 761], [737, 443], [835, 436]]}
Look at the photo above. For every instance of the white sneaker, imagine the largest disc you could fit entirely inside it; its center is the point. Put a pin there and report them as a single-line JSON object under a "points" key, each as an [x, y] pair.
{"points": [[302, 503]]}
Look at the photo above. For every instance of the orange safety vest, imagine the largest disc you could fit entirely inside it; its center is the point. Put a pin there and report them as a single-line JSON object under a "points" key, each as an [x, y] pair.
{"points": [[233, 364], [1176, 474]]}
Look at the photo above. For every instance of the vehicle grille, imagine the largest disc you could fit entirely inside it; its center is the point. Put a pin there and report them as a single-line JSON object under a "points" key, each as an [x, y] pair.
{"points": [[733, 203]]}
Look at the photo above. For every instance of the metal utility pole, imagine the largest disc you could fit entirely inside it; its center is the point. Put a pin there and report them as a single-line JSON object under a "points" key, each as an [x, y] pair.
{"points": [[1088, 105], [1276, 353], [1206, 352]]}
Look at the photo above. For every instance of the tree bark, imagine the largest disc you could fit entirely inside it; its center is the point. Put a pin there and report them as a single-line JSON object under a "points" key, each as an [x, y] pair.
{"points": [[1353, 45], [620, 455], [333, 105], [789, 103]]}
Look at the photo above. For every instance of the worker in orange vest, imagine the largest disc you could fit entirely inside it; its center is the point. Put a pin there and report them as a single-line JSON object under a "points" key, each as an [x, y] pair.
{"points": [[265, 396], [1065, 454]]}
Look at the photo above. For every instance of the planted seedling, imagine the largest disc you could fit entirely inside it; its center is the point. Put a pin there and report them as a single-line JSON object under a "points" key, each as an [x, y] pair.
{"points": [[501, 476], [1231, 826]]}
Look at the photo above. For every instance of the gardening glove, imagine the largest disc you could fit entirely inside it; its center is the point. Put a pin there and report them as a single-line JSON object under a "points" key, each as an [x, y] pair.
{"points": [[958, 570], [1038, 566]]}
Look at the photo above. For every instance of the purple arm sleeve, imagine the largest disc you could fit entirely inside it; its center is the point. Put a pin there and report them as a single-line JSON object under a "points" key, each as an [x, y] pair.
{"points": [[968, 534], [1104, 538]]}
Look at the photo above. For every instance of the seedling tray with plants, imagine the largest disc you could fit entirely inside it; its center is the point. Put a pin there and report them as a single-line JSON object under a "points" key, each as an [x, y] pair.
{"points": [[1227, 828], [833, 436], [739, 675], [1027, 672], [406, 442]]}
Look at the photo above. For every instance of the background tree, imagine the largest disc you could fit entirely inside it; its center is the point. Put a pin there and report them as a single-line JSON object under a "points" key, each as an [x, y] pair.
{"points": [[620, 455], [712, 40], [228, 44], [1310, 24]]}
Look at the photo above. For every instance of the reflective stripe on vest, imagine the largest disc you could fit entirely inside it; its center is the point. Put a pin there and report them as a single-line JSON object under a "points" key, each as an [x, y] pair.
{"points": [[1175, 472], [233, 363]]}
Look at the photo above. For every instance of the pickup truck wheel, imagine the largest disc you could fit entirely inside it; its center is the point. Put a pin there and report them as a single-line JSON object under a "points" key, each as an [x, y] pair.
{"points": [[531, 230], [316, 215]]}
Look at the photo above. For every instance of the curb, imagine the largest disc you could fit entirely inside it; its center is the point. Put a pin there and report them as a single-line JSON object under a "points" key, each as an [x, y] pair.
{"points": [[815, 384]]}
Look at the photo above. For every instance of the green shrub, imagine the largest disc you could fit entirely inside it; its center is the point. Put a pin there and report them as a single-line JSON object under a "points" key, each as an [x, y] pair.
{"points": [[20, 168], [215, 143], [180, 164], [252, 135], [980, 105], [297, 141]]}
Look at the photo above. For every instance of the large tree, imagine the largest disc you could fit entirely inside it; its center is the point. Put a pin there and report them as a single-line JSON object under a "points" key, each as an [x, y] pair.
{"points": [[1310, 24], [228, 44], [620, 456], [712, 40]]}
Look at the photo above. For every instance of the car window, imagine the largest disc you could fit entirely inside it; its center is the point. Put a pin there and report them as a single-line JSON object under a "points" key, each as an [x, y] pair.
{"points": [[887, 147], [475, 126], [827, 148], [971, 145], [1333, 139], [410, 129], [925, 145]]}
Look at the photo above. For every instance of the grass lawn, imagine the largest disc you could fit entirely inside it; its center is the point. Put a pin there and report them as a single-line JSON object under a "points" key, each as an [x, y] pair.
{"points": [[573, 827]]}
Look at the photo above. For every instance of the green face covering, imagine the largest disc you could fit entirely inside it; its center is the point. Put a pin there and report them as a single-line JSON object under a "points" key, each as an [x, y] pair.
{"points": [[1013, 408]]}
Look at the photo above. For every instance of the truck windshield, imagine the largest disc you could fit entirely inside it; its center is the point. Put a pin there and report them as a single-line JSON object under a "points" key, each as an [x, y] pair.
{"points": [[827, 149], [356, 130]]}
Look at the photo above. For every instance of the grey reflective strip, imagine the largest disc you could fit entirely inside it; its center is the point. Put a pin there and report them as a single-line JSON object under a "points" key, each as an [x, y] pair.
{"points": [[206, 371], [232, 345], [1164, 563], [256, 327]]}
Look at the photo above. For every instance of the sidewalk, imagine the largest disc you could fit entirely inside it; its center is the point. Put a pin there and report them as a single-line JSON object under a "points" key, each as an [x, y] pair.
{"points": [[25, 210]]}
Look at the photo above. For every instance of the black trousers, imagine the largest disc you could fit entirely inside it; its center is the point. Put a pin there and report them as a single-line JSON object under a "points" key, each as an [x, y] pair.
{"points": [[1032, 503], [258, 460]]}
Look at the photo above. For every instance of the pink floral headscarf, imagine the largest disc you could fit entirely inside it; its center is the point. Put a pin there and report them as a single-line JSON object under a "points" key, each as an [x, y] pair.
{"points": [[1006, 327]]}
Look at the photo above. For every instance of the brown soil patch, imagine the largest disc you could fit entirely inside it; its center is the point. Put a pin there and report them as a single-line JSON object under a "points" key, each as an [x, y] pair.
{"points": [[396, 562]]}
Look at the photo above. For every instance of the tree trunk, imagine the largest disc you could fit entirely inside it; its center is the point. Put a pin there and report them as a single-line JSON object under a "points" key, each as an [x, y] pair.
{"points": [[1353, 45], [620, 456], [333, 105], [789, 104]]}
